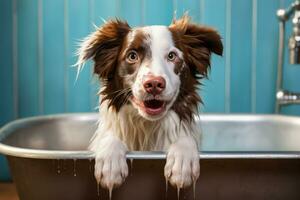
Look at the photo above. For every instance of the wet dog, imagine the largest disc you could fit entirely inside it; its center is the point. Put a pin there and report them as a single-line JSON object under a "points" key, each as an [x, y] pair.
{"points": [[149, 77]]}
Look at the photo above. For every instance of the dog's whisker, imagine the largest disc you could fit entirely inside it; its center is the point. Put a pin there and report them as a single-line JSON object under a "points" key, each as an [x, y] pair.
{"points": [[121, 90], [127, 97], [121, 93]]}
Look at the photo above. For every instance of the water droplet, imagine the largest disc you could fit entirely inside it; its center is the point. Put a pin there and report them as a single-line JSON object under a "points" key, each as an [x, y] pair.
{"points": [[131, 166], [90, 165], [178, 193], [131, 161], [98, 189], [194, 189], [58, 166], [110, 189], [167, 185], [74, 167]]}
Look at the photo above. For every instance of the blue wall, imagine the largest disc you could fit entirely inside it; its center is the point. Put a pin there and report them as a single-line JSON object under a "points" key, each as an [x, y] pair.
{"points": [[38, 40]]}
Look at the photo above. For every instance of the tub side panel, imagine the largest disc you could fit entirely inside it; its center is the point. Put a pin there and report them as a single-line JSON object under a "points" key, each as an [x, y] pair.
{"points": [[219, 179]]}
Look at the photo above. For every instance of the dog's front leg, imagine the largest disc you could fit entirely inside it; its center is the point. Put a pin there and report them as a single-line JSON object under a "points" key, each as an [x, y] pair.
{"points": [[110, 160], [182, 167]]}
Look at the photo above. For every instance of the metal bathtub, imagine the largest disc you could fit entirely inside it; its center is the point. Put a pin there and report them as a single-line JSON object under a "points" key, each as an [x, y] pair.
{"points": [[241, 157]]}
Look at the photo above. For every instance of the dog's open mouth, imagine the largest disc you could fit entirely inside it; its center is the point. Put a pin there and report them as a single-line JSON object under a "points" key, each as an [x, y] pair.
{"points": [[151, 107], [154, 107]]}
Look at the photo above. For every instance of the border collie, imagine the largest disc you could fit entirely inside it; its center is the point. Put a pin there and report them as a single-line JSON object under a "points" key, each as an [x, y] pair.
{"points": [[149, 77]]}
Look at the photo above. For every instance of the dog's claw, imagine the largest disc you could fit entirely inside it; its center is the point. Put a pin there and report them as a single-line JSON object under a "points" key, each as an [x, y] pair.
{"points": [[111, 171], [182, 166]]}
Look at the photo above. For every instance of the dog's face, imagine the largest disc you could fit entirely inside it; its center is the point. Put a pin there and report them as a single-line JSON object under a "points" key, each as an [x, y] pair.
{"points": [[147, 65], [152, 68]]}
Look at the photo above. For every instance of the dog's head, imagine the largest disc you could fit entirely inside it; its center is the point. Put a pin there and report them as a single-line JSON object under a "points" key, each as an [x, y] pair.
{"points": [[152, 68]]}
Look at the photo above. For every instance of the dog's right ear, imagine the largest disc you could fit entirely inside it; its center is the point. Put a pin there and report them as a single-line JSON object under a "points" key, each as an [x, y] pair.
{"points": [[198, 42], [103, 46]]}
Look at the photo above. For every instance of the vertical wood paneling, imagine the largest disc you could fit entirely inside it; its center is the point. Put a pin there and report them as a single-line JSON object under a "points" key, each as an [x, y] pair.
{"points": [[53, 42], [240, 77], [131, 11], [6, 73], [93, 80], [15, 58], [254, 56], [228, 57], [213, 90], [241, 32], [157, 12], [267, 44], [78, 92], [192, 7], [28, 79], [40, 52], [6, 61], [104, 10]]}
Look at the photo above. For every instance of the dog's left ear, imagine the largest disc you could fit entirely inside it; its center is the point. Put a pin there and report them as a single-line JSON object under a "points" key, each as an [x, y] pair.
{"points": [[197, 43]]}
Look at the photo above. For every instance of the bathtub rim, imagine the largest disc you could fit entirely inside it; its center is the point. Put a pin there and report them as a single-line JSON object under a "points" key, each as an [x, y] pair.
{"points": [[8, 150]]}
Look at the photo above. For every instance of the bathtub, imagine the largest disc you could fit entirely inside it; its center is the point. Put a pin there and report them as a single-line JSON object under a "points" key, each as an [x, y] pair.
{"points": [[241, 157]]}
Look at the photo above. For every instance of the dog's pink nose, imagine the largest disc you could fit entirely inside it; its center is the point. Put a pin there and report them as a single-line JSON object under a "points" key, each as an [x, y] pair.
{"points": [[154, 84]]}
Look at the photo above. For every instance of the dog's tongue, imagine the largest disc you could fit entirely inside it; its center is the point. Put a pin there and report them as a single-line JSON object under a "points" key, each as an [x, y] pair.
{"points": [[153, 104]]}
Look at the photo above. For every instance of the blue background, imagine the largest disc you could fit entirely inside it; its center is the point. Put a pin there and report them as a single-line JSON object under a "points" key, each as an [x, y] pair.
{"points": [[38, 40]]}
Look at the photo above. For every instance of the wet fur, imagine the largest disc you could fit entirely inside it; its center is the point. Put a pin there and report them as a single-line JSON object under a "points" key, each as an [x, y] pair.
{"points": [[121, 126]]}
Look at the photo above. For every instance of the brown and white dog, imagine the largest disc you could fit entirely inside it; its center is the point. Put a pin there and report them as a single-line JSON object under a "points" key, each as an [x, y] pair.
{"points": [[149, 77]]}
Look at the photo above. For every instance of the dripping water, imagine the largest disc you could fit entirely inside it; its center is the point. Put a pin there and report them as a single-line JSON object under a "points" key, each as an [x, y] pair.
{"points": [[110, 191], [90, 164], [167, 185], [194, 189], [58, 166], [98, 189], [178, 193], [63, 165], [131, 166], [74, 167]]}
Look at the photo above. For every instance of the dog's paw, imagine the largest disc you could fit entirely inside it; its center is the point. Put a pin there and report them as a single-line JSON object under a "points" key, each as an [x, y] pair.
{"points": [[182, 167], [111, 168]]}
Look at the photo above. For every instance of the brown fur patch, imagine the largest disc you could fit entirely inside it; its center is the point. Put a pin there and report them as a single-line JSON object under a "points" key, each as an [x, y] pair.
{"points": [[114, 91], [110, 61], [196, 42], [139, 45], [110, 39], [104, 46]]}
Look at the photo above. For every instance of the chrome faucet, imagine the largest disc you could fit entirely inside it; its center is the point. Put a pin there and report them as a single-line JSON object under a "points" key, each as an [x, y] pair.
{"points": [[284, 97]]}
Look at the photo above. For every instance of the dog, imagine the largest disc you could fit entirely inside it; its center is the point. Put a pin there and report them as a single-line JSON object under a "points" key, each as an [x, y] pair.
{"points": [[149, 77]]}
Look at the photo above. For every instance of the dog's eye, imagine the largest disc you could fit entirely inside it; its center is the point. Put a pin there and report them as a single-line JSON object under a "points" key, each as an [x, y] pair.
{"points": [[172, 56], [132, 57]]}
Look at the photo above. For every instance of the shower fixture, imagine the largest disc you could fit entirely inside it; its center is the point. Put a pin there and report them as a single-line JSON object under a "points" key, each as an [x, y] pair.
{"points": [[284, 97]]}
